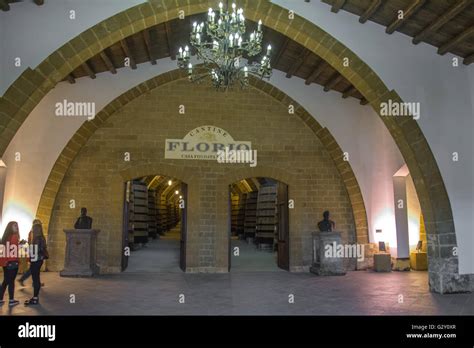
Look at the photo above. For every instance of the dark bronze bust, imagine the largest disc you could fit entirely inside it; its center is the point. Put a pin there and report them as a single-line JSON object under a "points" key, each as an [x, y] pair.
{"points": [[83, 222], [326, 225]]}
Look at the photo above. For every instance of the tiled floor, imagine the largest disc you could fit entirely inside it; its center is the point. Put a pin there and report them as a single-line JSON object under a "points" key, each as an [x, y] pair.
{"points": [[240, 293]]}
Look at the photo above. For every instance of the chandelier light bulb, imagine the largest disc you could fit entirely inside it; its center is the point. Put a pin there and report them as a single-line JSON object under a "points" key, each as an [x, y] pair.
{"points": [[259, 25], [221, 5], [170, 182], [233, 6], [177, 192], [246, 72]]}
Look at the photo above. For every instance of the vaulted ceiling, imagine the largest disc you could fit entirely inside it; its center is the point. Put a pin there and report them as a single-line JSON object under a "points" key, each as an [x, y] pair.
{"points": [[164, 40], [445, 24]]}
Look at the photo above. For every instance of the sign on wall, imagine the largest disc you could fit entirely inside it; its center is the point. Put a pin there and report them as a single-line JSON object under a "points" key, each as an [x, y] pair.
{"points": [[203, 143]]}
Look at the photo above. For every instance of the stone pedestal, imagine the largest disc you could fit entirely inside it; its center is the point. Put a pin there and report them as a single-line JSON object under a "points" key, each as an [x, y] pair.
{"points": [[324, 264], [80, 253], [419, 261], [382, 263]]}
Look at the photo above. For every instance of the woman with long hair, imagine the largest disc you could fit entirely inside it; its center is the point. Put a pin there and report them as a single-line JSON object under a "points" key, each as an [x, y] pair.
{"points": [[36, 261], [10, 262]]}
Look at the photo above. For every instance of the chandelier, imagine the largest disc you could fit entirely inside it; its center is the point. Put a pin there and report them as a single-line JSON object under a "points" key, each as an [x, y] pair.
{"points": [[221, 43]]}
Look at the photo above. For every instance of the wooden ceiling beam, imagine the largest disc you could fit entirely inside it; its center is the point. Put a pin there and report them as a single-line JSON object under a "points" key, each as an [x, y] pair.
{"points": [[128, 53], [282, 50], [440, 21], [108, 62], [337, 5], [409, 12], [169, 35], [4, 5], [455, 41], [469, 59], [299, 63], [39, 2], [146, 37], [364, 101], [349, 92], [374, 6], [71, 79], [316, 72], [333, 81], [89, 70]]}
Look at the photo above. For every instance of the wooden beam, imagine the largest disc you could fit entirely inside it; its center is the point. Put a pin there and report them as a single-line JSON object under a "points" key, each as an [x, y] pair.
{"points": [[71, 79], [169, 35], [337, 5], [440, 21], [39, 2], [128, 53], [469, 59], [333, 81], [349, 92], [455, 41], [89, 70], [374, 6], [410, 11], [146, 37], [108, 62], [4, 5], [280, 51], [299, 63], [316, 72]]}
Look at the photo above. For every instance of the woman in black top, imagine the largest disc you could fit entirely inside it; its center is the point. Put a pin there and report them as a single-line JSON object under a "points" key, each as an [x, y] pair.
{"points": [[38, 242]]}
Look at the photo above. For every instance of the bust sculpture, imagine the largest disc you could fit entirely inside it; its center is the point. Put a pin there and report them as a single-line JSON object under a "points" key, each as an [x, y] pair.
{"points": [[83, 222], [326, 225]]}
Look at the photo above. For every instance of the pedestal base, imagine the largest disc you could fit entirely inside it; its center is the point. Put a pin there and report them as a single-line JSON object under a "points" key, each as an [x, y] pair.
{"points": [[80, 253], [322, 264]]}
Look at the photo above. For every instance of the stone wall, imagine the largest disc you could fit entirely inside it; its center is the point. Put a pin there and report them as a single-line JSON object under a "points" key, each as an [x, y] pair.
{"points": [[287, 151]]}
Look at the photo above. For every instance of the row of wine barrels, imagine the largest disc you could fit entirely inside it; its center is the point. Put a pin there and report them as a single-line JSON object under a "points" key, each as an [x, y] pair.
{"points": [[266, 217]]}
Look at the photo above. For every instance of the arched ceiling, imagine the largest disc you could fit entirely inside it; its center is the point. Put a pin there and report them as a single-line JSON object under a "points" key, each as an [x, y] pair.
{"points": [[164, 40], [445, 24]]}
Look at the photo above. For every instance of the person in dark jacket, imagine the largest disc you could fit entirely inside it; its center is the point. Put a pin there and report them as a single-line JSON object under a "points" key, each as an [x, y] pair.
{"points": [[10, 263], [27, 273], [36, 261]]}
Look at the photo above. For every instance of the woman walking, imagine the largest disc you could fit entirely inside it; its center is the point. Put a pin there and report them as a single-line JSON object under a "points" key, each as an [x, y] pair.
{"points": [[39, 243], [10, 262]]}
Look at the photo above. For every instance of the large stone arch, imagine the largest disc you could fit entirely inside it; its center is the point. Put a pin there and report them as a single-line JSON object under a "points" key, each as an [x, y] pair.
{"points": [[80, 138], [26, 92]]}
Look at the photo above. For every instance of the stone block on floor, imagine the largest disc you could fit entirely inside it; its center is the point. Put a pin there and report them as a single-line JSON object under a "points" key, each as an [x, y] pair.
{"points": [[382, 262], [419, 261]]}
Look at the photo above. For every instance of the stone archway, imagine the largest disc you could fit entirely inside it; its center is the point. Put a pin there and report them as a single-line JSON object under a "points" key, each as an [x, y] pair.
{"points": [[26, 92], [81, 137], [277, 174]]}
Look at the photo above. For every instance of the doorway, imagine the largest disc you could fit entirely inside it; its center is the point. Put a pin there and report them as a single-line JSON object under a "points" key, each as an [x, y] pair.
{"points": [[259, 225], [154, 225]]}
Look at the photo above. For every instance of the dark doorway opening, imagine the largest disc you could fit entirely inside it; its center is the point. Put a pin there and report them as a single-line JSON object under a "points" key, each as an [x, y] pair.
{"points": [[154, 225], [259, 225]]}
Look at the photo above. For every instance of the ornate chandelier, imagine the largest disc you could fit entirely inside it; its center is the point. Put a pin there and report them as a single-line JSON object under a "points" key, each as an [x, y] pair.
{"points": [[221, 43]]}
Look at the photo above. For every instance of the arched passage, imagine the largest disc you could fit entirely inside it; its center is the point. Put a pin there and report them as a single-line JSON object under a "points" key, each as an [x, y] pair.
{"points": [[26, 92]]}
